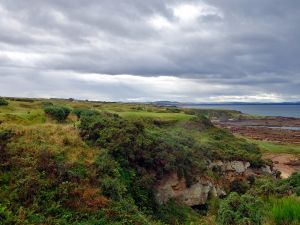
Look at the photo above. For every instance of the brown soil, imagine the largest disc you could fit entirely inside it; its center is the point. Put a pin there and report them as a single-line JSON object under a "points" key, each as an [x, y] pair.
{"points": [[285, 163]]}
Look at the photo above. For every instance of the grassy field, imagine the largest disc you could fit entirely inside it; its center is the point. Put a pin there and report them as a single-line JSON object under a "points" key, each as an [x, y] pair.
{"points": [[269, 147], [156, 115], [32, 113]]}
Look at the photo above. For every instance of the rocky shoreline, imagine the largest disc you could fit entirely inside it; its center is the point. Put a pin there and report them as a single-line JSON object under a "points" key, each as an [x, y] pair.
{"points": [[281, 130], [278, 130]]}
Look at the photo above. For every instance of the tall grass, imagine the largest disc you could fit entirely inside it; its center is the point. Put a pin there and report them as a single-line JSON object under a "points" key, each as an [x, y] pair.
{"points": [[285, 211]]}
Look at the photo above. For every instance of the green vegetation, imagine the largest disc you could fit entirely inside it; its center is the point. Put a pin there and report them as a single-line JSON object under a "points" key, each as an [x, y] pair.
{"points": [[59, 113], [101, 162], [226, 146], [3, 102], [240, 210], [266, 201], [268, 147], [285, 211]]}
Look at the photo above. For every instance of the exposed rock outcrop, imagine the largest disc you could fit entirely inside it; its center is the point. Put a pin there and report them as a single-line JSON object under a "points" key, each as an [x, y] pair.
{"points": [[235, 166], [173, 187], [176, 188]]}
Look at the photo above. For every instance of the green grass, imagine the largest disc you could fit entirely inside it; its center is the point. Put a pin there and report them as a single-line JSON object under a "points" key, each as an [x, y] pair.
{"points": [[163, 116], [268, 147], [285, 211]]}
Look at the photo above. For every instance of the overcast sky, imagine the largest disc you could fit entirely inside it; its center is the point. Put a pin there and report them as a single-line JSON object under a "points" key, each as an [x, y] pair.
{"points": [[136, 50]]}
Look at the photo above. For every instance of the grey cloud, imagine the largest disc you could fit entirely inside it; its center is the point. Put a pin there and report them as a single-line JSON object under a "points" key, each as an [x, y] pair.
{"points": [[252, 46]]}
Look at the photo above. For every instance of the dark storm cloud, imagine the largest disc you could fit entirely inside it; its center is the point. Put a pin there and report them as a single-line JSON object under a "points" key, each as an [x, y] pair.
{"points": [[244, 47]]}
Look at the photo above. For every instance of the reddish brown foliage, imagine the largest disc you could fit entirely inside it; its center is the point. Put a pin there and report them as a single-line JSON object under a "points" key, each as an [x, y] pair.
{"points": [[88, 198]]}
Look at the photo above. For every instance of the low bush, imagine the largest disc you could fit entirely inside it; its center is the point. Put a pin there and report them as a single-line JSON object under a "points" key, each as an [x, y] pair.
{"points": [[239, 186], [225, 146], [47, 104], [22, 100], [291, 184], [175, 214], [5, 136], [87, 112], [130, 144], [240, 210], [59, 113], [3, 102], [269, 186]]}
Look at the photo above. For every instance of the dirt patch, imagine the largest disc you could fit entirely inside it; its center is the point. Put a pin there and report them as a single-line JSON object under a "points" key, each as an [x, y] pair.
{"points": [[285, 163]]}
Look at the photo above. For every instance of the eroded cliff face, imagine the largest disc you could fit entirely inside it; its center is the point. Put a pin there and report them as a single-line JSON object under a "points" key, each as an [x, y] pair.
{"points": [[176, 188], [173, 187]]}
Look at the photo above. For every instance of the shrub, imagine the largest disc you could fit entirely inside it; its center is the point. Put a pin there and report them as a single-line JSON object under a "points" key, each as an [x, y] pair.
{"points": [[251, 179], [46, 104], [125, 212], [240, 210], [59, 113], [87, 112], [5, 136], [113, 188], [3, 102], [226, 146], [22, 99], [239, 186], [291, 184], [269, 186], [175, 214], [173, 110]]}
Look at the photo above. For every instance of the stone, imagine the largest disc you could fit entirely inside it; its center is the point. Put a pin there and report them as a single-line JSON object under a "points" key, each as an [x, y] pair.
{"points": [[236, 166]]}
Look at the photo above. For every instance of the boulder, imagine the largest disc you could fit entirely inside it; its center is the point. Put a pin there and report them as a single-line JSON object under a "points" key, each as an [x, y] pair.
{"points": [[237, 166]]}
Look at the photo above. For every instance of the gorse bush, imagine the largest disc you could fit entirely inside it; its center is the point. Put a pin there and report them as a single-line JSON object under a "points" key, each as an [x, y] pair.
{"points": [[269, 186], [87, 112], [240, 210], [46, 104], [130, 144], [59, 113], [226, 146], [3, 102], [239, 186], [291, 184], [176, 214]]}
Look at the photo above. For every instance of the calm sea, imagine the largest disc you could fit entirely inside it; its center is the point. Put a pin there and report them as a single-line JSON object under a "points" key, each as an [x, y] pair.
{"points": [[261, 110]]}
